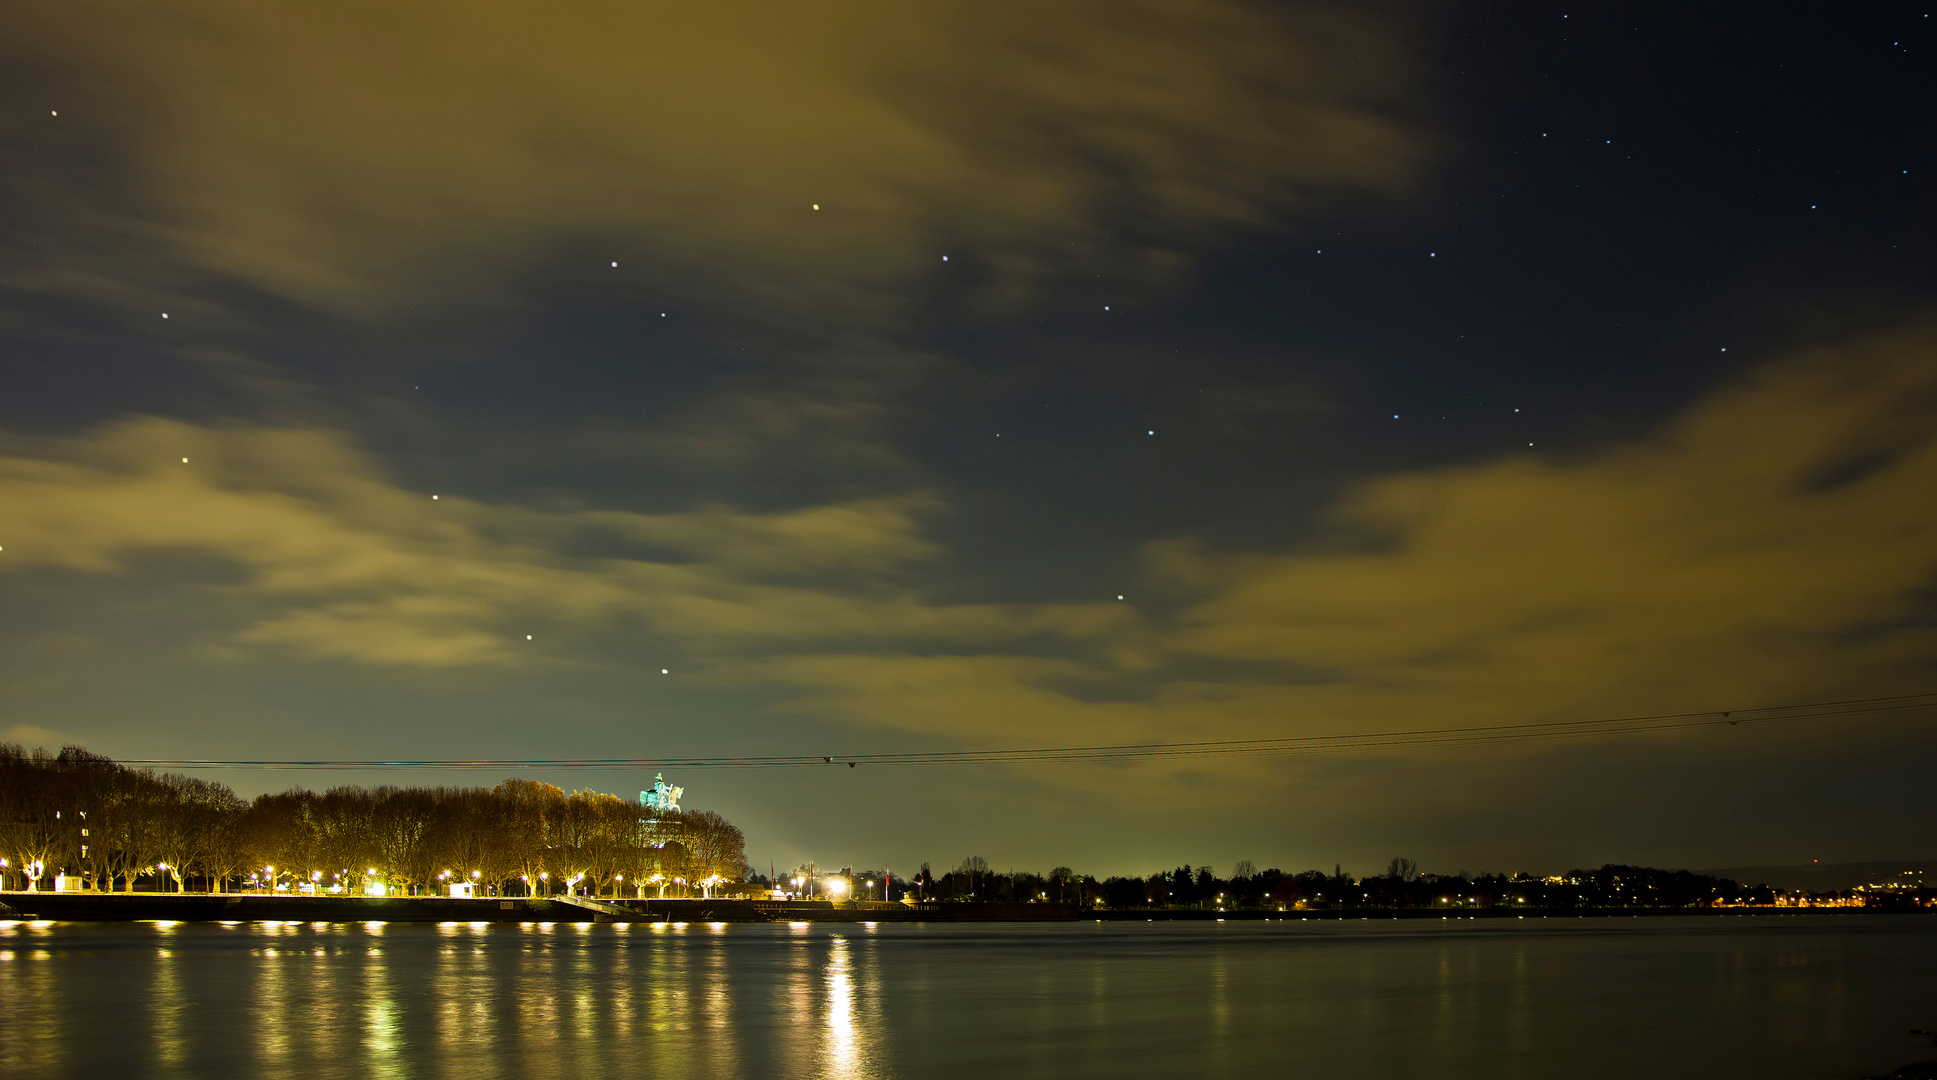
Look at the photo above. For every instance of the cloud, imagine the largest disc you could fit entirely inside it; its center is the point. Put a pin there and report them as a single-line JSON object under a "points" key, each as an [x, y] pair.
{"points": [[367, 157], [1772, 544], [247, 167], [1769, 545], [344, 563], [1712, 562]]}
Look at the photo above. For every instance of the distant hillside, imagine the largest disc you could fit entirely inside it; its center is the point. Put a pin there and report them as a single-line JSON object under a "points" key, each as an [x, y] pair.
{"points": [[1823, 877]]}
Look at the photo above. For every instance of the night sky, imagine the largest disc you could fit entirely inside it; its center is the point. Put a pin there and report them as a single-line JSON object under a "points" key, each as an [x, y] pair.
{"points": [[437, 379]]}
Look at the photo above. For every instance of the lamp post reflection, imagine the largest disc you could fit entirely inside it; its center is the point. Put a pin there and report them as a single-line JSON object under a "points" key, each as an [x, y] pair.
{"points": [[845, 1052]]}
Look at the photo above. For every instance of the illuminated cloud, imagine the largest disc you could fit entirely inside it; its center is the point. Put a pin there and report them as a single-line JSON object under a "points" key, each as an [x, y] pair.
{"points": [[1770, 544], [1773, 540], [348, 565], [367, 158]]}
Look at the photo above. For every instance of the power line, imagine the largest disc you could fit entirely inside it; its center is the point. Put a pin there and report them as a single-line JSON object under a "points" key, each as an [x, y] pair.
{"points": [[1287, 746]]}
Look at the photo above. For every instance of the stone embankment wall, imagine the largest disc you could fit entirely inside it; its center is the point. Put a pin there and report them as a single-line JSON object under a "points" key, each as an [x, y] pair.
{"points": [[247, 907]]}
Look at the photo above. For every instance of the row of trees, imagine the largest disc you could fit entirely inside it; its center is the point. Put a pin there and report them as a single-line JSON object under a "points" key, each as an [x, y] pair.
{"points": [[83, 815], [1401, 886]]}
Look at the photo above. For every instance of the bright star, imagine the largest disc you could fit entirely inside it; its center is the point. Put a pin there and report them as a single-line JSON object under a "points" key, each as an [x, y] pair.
{"points": [[433, 498], [817, 206], [184, 461], [615, 264], [663, 671], [164, 314], [944, 258], [527, 637]]}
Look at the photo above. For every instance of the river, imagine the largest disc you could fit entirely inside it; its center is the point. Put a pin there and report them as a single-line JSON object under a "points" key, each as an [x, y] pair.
{"points": [[1802, 995]]}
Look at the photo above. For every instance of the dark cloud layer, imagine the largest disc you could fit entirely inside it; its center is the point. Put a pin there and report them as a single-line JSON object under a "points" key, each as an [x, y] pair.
{"points": [[369, 156]]}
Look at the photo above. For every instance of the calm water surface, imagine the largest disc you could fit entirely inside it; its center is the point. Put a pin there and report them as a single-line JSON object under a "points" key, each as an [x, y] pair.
{"points": [[1761, 996]]}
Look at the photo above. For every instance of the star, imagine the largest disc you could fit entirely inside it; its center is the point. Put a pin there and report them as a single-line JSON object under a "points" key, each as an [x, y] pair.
{"points": [[54, 112], [663, 671], [944, 258], [615, 264], [1106, 307], [817, 206], [184, 461], [164, 314], [1119, 596], [433, 498], [1150, 433], [527, 637]]}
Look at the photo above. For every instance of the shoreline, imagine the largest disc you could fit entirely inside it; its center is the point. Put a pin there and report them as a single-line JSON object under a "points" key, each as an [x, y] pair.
{"points": [[248, 907]]}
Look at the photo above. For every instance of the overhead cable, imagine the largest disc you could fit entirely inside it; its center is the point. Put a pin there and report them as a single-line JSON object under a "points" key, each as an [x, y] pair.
{"points": [[1284, 746]]}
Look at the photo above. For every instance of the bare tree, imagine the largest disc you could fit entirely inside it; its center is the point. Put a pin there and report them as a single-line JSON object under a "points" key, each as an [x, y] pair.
{"points": [[190, 821], [717, 846], [1059, 879], [62, 813], [32, 793], [530, 808], [224, 858], [976, 869]]}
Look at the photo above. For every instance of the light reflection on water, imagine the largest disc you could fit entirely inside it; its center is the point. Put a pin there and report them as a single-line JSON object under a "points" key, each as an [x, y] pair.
{"points": [[169, 1001], [1766, 996]]}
